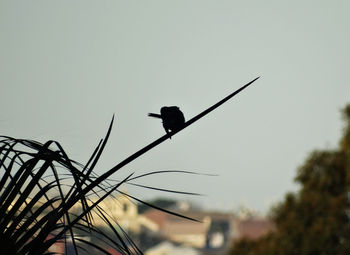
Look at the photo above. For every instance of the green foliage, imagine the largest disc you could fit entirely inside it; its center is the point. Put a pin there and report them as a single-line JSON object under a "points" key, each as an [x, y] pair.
{"points": [[316, 219]]}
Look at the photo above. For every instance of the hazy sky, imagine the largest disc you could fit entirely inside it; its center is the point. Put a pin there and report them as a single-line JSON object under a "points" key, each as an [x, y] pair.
{"points": [[67, 66]]}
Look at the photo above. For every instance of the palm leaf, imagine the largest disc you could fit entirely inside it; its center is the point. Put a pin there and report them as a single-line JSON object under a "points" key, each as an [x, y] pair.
{"points": [[40, 185]]}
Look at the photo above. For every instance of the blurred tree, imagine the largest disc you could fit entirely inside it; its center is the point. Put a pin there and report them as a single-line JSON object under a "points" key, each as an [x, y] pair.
{"points": [[316, 220]]}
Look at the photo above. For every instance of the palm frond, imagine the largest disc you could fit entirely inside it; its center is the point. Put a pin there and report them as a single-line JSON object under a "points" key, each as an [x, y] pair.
{"points": [[40, 186]]}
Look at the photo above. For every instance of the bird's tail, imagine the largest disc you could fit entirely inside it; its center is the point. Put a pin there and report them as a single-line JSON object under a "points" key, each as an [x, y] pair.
{"points": [[155, 115]]}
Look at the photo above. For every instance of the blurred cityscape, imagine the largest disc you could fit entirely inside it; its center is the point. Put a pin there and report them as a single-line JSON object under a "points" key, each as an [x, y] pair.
{"points": [[159, 233]]}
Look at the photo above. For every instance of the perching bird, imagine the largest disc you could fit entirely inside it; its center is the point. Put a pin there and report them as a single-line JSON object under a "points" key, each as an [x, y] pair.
{"points": [[171, 116]]}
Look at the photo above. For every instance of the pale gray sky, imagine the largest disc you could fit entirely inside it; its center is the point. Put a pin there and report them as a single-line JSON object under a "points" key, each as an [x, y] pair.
{"points": [[67, 66]]}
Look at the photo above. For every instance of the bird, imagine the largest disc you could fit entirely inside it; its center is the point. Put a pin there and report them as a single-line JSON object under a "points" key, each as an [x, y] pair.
{"points": [[173, 119]]}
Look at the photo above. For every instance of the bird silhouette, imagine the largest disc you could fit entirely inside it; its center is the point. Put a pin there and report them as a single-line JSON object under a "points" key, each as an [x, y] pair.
{"points": [[173, 119]]}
